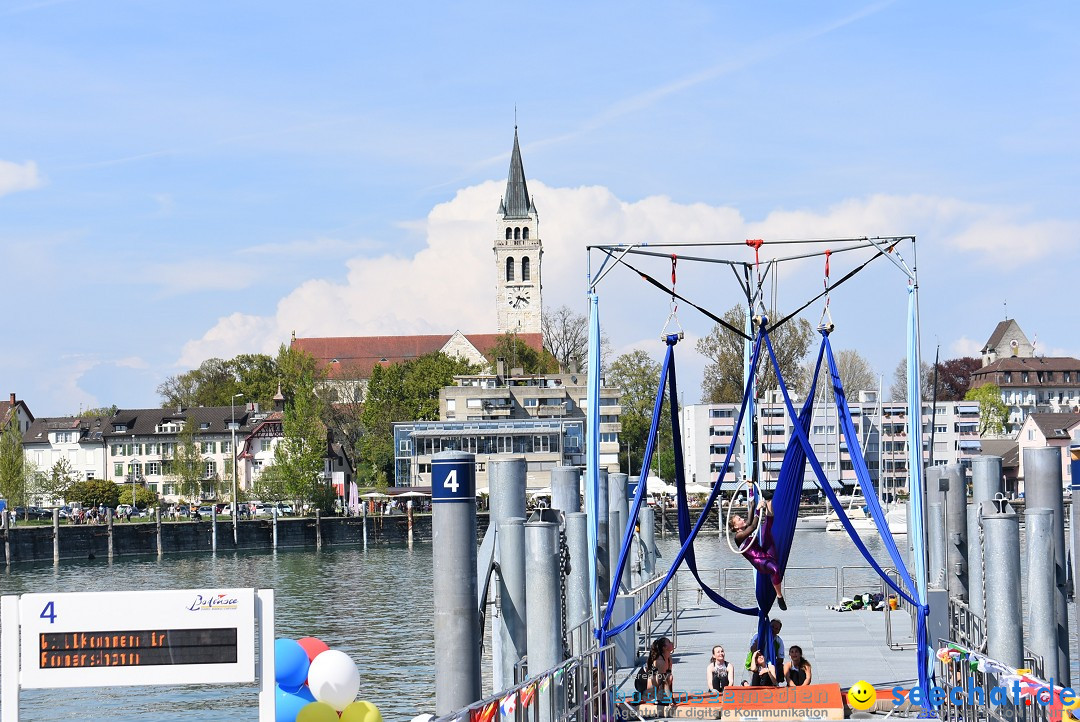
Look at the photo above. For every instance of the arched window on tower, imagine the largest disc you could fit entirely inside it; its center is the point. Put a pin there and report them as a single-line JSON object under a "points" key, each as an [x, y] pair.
{"points": [[517, 234], [509, 232], [510, 269], [525, 269], [525, 233]]}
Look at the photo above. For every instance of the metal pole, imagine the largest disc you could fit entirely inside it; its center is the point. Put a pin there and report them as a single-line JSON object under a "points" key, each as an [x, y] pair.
{"points": [[213, 529], [647, 520], [455, 587], [318, 527], [235, 504], [985, 485], [603, 563], [1042, 617], [566, 488], [544, 610], [56, 535], [577, 583], [1043, 490], [1074, 522], [273, 527], [506, 481], [935, 526], [1001, 552], [109, 521], [157, 524], [617, 502], [510, 627], [957, 532]]}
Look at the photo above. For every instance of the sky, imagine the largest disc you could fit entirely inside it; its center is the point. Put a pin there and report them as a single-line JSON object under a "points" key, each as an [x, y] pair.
{"points": [[186, 180]]}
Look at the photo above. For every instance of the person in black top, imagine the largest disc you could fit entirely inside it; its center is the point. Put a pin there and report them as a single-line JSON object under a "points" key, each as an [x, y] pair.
{"points": [[720, 672], [797, 669], [762, 673]]}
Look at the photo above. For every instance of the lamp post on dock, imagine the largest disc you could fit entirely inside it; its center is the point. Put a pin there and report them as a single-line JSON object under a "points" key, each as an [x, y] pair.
{"points": [[232, 428]]}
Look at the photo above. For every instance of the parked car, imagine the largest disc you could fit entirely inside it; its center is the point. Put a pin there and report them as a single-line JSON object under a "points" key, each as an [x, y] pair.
{"points": [[206, 511]]}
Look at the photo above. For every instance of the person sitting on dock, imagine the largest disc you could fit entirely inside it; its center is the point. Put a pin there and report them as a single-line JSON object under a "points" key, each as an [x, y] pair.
{"points": [[659, 679], [720, 673], [778, 645], [762, 673], [797, 670], [762, 550]]}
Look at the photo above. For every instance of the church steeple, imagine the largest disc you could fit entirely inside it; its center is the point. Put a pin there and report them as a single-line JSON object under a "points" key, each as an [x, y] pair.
{"points": [[516, 203]]}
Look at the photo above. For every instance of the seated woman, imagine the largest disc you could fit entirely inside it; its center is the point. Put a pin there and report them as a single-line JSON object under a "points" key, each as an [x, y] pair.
{"points": [[655, 681], [797, 670], [720, 672], [762, 673], [762, 551]]}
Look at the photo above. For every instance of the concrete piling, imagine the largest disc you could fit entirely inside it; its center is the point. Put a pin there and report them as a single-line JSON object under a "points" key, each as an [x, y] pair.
{"points": [[543, 592], [1042, 616], [578, 607], [507, 479], [510, 626], [618, 512], [566, 488], [985, 485], [1001, 552], [956, 529]]}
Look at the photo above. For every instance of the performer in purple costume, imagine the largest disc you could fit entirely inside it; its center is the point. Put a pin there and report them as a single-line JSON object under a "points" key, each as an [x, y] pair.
{"points": [[762, 550]]}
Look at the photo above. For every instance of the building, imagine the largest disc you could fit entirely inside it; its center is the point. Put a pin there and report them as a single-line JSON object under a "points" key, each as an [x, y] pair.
{"points": [[539, 416], [1006, 341], [14, 408], [1054, 430], [349, 360], [518, 251], [76, 444], [883, 439], [1037, 385]]}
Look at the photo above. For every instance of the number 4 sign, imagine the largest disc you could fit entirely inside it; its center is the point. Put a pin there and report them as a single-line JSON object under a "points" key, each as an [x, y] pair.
{"points": [[453, 478]]}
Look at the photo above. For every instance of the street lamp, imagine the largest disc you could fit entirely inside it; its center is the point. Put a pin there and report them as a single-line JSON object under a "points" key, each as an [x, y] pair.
{"points": [[133, 475], [232, 426]]}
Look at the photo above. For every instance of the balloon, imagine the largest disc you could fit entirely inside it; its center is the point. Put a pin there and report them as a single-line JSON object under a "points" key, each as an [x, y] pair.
{"points": [[362, 711], [314, 647], [289, 704], [426, 717], [317, 712], [334, 679], [290, 663]]}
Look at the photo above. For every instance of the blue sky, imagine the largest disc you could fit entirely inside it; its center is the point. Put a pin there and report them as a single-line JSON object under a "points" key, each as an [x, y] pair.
{"points": [[184, 180]]}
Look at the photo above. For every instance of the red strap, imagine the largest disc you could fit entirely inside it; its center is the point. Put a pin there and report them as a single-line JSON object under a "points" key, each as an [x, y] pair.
{"points": [[674, 260], [827, 254], [756, 244]]}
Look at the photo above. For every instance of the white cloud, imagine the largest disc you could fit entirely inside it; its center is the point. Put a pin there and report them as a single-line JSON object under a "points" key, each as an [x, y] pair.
{"points": [[450, 283], [965, 346], [15, 177]]}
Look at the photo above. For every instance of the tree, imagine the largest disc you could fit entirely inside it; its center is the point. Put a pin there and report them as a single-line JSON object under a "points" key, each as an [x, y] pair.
{"points": [[270, 486], [405, 391], [723, 380], [299, 456], [566, 338], [188, 466], [55, 483], [637, 376], [954, 377], [104, 411], [856, 374], [993, 413], [519, 354], [13, 486], [898, 389], [144, 497], [94, 493]]}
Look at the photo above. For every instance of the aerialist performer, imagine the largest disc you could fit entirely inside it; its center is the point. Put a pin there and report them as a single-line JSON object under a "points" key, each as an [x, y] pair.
{"points": [[762, 550]]}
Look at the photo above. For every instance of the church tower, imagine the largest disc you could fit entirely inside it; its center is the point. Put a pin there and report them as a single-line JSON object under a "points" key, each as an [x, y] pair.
{"points": [[518, 254]]}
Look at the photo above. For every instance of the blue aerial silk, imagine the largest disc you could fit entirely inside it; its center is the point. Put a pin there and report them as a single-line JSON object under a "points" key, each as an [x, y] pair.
{"points": [[592, 457]]}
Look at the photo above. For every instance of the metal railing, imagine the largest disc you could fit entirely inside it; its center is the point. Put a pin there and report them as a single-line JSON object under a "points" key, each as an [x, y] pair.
{"points": [[902, 605], [666, 603], [581, 688]]}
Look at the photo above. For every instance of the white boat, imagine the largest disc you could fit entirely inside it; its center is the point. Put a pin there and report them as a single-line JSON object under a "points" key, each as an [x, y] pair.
{"points": [[860, 521]]}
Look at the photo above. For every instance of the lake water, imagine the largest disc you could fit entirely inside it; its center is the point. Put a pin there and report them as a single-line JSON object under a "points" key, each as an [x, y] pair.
{"points": [[375, 605]]}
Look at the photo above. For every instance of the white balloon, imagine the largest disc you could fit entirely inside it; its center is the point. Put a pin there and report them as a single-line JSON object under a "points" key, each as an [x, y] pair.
{"points": [[333, 678], [423, 718]]}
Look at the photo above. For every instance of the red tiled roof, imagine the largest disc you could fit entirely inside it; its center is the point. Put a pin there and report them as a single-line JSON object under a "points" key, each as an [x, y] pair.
{"points": [[356, 355]]}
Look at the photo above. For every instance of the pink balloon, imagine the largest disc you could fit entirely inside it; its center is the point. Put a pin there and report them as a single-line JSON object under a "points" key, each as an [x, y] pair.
{"points": [[314, 647]]}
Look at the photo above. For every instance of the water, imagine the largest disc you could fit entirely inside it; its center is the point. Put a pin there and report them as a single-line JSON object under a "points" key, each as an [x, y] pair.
{"points": [[374, 605]]}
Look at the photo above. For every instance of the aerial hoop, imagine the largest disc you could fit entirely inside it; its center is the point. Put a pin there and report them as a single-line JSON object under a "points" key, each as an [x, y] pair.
{"points": [[753, 495]]}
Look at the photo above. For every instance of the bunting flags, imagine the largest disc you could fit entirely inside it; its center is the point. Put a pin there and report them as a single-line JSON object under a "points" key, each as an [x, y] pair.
{"points": [[509, 704], [485, 713], [528, 694]]}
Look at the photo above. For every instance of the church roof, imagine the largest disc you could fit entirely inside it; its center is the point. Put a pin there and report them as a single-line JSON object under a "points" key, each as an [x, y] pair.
{"points": [[999, 332], [516, 203], [352, 357]]}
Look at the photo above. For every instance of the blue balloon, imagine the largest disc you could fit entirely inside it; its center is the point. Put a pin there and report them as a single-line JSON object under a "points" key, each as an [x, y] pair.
{"points": [[289, 704], [290, 663]]}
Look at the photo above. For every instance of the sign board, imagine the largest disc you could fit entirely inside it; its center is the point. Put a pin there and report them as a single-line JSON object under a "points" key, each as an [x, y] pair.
{"points": [[453, 479], [174, 637]]}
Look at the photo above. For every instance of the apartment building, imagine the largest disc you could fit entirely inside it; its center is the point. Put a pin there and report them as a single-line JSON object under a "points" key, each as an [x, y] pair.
{"points": [[539, 416], [883, 440]]}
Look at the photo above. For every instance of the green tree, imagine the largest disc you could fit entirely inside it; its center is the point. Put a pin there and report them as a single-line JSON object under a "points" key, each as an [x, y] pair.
{"points": [[55, 483], [723, 379], [104, 411], [519, 354], [94, 492], [993, 413], [145, 498], [299, 455], [270, 486], [406, 391], [637, 376], [13, 486], [188, 466]]}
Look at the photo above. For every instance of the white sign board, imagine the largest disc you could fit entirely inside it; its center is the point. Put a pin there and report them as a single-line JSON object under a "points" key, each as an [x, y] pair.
{"points": [[135, 638]]}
